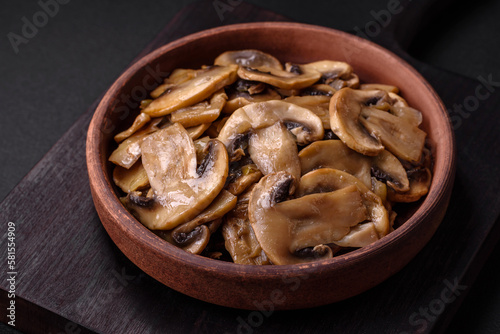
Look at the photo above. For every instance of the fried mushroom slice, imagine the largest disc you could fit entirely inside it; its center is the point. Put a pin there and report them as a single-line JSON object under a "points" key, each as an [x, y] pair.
{"points": [[329, 179], [420, 181], [239, 237], [304, 124], [195, 90], [248, 58], [297, 230], [378, 86], [132, 179], [237, 100], [334, 154], [367, 130], [273, 149], [193, 236], [141, 120], [299, 79], [181, 188], [318, 104], [202, 112]]}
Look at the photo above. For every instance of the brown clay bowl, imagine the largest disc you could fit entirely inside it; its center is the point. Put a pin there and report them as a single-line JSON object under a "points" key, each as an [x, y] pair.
{"points": [[289, 286]]}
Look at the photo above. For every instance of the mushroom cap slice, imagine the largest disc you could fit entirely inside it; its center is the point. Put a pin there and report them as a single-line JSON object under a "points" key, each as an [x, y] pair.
{"points": [[420, 181], [273, 149], [346, 106], [195, 90], [378, 86], [248, 58], [330, 68], [202, 112], [181, 189], [279, 78], [400, 136], [285, 228], [263, 114], [240, 99], [334, 154], [328, 179], [318, 104], [141, 120]]}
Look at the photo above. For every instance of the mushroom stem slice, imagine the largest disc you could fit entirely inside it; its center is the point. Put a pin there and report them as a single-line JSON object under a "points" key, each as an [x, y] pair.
{"points": [[197, 89], [181, 188]]}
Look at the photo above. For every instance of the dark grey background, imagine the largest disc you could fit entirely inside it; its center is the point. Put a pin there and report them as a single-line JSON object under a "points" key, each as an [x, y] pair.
{"points": [[82, 49]]}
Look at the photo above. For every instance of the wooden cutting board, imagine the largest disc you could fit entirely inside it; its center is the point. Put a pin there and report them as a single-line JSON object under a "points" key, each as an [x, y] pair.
{"points": [[71, 278]]}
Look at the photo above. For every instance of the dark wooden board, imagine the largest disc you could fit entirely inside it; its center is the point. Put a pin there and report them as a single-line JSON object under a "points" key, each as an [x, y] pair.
{"points": [[71, 277]]}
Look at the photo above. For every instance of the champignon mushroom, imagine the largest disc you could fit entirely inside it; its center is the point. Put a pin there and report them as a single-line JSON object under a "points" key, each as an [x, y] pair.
{"points": [[239, 237], [200, 113], [177, 77], [141, 120], [205, 83], [129, 150], [306, 126], [196, 131], [237, 100], [336, 74], [334, 154], [377, 86], [181, 189], [420, 181], [368, 130], [193, 236], [299, 79], [273, 149], [284, 228], [132, 179], [328, 179], [318, 104], [243, 178], [248, 58]]}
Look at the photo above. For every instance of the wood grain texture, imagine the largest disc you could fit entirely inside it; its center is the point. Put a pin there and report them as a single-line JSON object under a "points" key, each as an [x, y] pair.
{"points": [[70, 268]]}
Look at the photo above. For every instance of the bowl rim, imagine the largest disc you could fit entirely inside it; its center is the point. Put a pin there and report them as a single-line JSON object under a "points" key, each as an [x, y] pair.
{"points": [[132, 227]]}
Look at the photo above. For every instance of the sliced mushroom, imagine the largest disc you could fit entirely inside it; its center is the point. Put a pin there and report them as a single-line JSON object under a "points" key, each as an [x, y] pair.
{"points": [[196, 131], [377, 86], [306, 126], [318, 104], [246, 176], [195, 90], [420, 181], [285, 228], [273, 149], [129, 150], [240, 99], [193, 236], [337, 74], [200, 113], [177, 77], [328, 179], [141, 120], [239, 237], [132, 179], [181, 189], [279, 78], [318, 89], [248, 58], [367, 129], [334, 154]]}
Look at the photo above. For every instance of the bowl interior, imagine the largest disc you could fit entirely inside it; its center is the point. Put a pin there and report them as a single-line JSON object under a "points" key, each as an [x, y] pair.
{"points": [[288, 42]]}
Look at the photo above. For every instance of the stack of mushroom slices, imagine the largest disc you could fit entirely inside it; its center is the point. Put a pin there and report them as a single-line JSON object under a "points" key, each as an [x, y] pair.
{"points": [[252, 162]]}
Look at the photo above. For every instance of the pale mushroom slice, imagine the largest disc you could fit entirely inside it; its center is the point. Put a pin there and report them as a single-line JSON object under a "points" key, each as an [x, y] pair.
{"points": [[334, 154], [181, 188], [286, 228], [273, 149], [141, 120], [378, 86], [203, 85], [191, 236], [318, 104], [248, 58], [196, 131], [201, 113], [329, 179], [304, 124], [367, 130], [301, 78], [129, 150], [132, 179], [239, 237], [336, 74]]}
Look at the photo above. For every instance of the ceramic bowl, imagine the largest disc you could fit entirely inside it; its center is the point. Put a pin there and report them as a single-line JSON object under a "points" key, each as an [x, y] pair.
{"points": [[287, 286]]}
